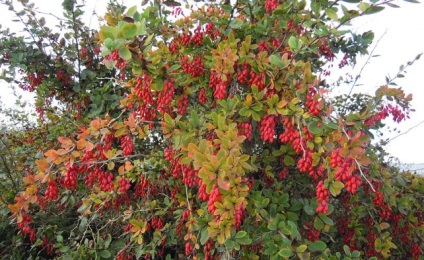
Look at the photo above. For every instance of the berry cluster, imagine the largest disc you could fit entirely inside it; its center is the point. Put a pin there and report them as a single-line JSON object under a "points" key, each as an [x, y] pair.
{"points": [[202, 195], [322, 198], [157, 223], [378, 201], [123, 255], [238, 216], [211, 31], [271, 5], [263, 45], [127, 145], [142, 89], [63, 77], [92, 177], [312, 103], [291, 26], [215, 196], [243, 73], [304, 164], [114, 56], [257, 79], [218, 85], [194, 68], [207, 248], [267, 128], [142, 187], [202, 96], [292, 136], [182, 104], [185, 39], [313, 234], [190, 176], [377, 118], [169, 153], [174, 47], [124, 185], [71, 177], [51, 191], [245, 128], [166, 96], [189, 249], [105, 181], [325, 50], [24, 226], [353, 183], [197, 38], [34, 79]]}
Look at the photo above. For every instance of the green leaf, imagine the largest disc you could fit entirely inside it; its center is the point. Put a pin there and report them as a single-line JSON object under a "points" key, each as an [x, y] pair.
{"points": [[346, 250], [236, 23], [204, 236], [174, 67], [131, 11], [277, 61], [285, 252], [107, 32], [130, 30], [317, 246], [289, 161], [332, 14], [244, 240], [301, 248], [240, 234], [318, 224], [373, 9], [293, 43], [105, 254], [314, 128], [326, 219], [336, 187], [125, 53], [64, 249]]}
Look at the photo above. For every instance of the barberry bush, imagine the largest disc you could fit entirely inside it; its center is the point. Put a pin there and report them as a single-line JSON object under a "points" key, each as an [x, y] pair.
{"points": [[207, 133]]}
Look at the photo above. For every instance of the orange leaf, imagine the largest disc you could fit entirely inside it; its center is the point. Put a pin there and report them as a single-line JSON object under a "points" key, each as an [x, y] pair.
{"points": [[84, 132], [121, 170], [43, 165], [89, 146], [66, 142], [131, 121], [81, 144], [128, 166], [96, 123], [51, 155], [30, 180], [41, 176]]}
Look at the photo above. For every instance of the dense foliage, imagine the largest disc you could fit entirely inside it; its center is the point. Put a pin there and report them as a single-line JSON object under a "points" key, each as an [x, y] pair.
{"points": [[203, 132]]}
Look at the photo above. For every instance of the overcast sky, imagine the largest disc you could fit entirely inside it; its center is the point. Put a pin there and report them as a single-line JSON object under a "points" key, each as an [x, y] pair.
{"points": [[403, 30]]}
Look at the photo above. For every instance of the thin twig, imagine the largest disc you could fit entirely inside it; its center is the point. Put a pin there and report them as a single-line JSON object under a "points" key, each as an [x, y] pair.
{"points": [[365, 64], [404, 133], [363, 175]]}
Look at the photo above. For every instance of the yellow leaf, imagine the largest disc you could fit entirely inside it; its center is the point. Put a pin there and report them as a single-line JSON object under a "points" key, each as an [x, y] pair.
{"points": [[110, 165]]}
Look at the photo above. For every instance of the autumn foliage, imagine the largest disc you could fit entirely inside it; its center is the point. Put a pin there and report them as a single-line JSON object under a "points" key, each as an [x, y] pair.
{"points": [[215, 138]]}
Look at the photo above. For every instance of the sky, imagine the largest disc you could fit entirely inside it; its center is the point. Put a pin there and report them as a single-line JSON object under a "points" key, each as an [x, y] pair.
{"points": [[402, 38]]}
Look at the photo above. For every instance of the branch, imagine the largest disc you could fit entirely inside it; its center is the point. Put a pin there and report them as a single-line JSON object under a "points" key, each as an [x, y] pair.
{"points": [[365, 64], [404, 133]]}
